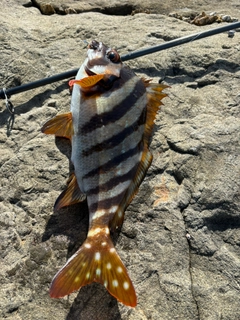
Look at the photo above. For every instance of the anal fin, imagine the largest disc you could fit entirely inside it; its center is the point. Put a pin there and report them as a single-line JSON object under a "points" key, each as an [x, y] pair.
{"points": [[61, 126], [71, 195]]}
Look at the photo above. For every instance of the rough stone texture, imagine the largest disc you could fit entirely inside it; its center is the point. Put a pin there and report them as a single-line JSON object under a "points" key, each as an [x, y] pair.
{"points": [[180, 239]]}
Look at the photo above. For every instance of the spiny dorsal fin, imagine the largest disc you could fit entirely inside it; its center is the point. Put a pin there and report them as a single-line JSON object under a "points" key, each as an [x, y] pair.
{"points": [[71, 195], [96, 261], [154, 95], [61, 126]]}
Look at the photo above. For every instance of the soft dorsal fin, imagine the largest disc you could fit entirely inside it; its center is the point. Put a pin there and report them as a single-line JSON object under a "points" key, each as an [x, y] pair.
{"points": [[154, 95], [88, 81], [61, 126], [71, 195]]}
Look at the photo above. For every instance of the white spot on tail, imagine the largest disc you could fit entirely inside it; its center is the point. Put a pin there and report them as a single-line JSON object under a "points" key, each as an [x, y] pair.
{"points": [[88, 275], [87, 245], [98, 272], [103, 243], [109, 266], [105, 284], [125, 285], [119, 269], [97, 256], [76, 279], [94, 231], [120, 214], [115, 283], [107, 231], [112, 250]]}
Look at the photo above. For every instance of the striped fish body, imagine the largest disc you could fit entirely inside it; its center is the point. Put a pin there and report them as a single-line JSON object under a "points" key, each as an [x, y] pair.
{"points": [[107, 144], [110, 123]]}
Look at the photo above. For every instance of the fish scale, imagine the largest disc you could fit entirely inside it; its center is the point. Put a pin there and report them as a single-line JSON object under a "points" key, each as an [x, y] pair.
{"points": [[110, 125]]}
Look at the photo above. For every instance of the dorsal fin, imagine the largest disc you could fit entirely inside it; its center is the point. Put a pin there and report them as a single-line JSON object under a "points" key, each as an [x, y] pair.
{"points": [[61, 126], [71, 195], [154, 95]]}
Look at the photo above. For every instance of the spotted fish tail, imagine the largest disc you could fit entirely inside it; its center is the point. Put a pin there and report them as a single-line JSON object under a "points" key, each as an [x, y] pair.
{"points": [[96, 261]]}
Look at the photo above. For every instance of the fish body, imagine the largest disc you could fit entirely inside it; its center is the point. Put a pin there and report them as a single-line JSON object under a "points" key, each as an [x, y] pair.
{"points": [[110, 125]]}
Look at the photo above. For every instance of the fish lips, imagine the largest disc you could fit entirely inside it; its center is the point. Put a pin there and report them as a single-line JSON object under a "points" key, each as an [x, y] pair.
{"points": [[101, 66]]}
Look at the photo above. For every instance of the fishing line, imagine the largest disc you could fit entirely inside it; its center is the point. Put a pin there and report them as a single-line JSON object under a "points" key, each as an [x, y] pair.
{"points": [[7, 93], [8, 103]]}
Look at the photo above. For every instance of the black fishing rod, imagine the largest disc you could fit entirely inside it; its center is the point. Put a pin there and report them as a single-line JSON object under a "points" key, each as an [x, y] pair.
{"points": [[7, 93]]}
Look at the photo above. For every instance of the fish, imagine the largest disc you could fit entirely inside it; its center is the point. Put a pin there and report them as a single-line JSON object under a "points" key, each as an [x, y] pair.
{"points": [[110, 125]]}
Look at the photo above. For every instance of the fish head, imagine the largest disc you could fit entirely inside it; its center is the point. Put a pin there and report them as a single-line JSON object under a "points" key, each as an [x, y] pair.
{"points": [[102, 60]]}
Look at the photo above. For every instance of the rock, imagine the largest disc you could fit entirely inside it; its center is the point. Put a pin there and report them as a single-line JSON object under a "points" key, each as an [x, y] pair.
{"points": [[180, 238]]}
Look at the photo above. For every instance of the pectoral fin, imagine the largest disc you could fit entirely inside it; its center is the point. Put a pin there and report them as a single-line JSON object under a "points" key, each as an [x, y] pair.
{"points": [[61, 126], [88, 81], [71, 195]]}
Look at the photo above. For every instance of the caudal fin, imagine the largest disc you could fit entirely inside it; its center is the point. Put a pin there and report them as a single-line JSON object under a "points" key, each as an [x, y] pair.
{"points": [[96, 261]]}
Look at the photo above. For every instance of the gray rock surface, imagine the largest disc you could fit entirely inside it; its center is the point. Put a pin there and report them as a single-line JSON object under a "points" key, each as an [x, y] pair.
{"points": [[180, 238]]}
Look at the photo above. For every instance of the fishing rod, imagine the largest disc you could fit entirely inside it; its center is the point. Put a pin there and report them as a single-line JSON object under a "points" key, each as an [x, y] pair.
{"points": [[7, 93]]}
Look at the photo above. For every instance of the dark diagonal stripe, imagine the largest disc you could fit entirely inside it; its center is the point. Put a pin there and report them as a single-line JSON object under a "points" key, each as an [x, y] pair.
{"points": [[110, 184], [115, 161], [118, 111], [118, 138], [107, 203]]}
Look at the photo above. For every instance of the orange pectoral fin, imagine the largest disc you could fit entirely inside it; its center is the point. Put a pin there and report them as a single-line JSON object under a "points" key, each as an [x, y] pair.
{"points": [[88, 81], [61, 126], [71, 195]]}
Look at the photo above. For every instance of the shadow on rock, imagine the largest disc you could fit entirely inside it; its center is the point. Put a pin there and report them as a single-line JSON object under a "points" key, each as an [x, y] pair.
{"points": [[178, 74], [222, 221], [65, 147], [71, 221], [93, 302]]}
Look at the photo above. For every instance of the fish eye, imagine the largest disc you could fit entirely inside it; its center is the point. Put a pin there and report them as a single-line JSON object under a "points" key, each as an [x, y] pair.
{"points": [[113, 56]]}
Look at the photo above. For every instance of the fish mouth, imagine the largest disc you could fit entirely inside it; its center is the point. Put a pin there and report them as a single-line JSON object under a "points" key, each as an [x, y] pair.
{"points": [[94, 45]]}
